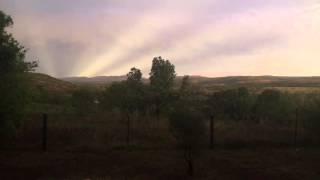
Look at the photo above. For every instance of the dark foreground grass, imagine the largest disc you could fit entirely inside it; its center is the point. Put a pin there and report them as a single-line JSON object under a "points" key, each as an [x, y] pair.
{"points": [[95, 148], [257, 164]]}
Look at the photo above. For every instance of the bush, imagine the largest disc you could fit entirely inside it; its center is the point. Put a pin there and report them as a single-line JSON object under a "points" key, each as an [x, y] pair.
{"points": [[188, 128]]}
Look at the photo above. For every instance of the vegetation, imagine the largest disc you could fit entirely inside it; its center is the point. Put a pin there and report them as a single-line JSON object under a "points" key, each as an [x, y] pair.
{"points": [[90, 119], [189, 130], [125, 96], [161, 83], [84, 101], [14, 86], [188, 125]]}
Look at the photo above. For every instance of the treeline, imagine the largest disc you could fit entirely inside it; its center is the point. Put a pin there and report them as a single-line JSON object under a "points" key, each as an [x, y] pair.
{"points": [[188, 109], [14, 89], [159, 98]]}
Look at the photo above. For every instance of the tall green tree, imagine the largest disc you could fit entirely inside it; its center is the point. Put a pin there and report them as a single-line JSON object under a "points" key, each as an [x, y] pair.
{"points": [[134, 77], [126, 96], [162, 74], [136, 90], [162, 77], [13, 72]]}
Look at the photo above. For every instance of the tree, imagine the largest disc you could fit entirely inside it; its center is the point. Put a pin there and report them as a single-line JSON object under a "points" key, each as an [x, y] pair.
{"points": [[162, 74], [126, 96], [187, 122], [137, 90], [13, 72], [134, 77], [188, 128], [162, 77]]}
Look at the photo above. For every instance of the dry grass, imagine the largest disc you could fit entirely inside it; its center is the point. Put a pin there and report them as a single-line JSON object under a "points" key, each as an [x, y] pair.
{"points": [[108, 131], [94, 148], [161, 164]]}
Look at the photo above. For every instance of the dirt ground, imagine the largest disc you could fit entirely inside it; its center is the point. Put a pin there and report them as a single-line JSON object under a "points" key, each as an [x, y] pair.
{"points": [[246, 164]]}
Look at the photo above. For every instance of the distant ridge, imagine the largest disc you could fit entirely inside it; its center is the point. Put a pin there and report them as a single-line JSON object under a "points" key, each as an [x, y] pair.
{"points": [[99, 80], [266, 80], [43, 82]]}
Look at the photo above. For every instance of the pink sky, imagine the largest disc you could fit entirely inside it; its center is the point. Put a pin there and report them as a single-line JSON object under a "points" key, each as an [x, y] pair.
{"points": [[203, 37]]}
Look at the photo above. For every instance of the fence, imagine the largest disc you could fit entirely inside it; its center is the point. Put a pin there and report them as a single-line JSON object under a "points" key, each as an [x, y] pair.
{"points": [[70, 132]]}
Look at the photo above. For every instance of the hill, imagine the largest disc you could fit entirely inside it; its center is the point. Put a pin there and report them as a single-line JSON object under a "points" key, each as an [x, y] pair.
{"points": [[51, 85]]}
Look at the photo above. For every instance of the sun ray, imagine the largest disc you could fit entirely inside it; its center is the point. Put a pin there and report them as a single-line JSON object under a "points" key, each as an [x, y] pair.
{"points": [[144, 32], [192, 46]]}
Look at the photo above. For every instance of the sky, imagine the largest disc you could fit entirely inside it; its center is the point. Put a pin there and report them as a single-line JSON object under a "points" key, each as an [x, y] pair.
{"points": [[200, 37]]}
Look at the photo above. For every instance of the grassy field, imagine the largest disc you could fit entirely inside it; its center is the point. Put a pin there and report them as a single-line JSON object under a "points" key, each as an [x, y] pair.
{"points": [[280, 163], [95, 148]]}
